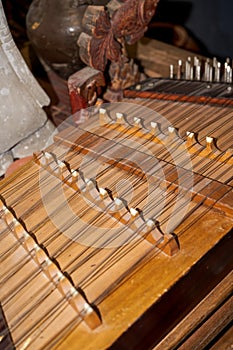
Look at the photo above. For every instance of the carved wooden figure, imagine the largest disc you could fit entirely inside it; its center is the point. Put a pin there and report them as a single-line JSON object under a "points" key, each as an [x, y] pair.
{"points": [[102, 44]]}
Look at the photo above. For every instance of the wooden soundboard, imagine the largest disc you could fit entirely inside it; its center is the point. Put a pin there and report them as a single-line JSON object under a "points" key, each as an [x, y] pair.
{"points": [[112, 235]]}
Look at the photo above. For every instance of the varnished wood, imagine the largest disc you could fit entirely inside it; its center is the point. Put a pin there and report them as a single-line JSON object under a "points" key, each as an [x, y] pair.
{"points": [[201, 326], [144, 290], [156, 56]]}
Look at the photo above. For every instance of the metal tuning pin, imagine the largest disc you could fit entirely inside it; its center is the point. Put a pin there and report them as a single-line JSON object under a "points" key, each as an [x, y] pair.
{"points": [[208, 71], [225, 72], [138, 87], [229, 75], [198, 72], [217, 77], [210, 74], [179, 69], [188, 68], [196, 68], [171, 72]]}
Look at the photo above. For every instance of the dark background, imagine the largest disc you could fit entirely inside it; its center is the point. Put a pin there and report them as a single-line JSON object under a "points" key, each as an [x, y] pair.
{"points": [[210, 22]]}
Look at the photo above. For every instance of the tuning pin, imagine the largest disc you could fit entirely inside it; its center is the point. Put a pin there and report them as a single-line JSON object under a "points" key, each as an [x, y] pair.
{"points": [[217, 72], [225, 72], [210, 79], [171, 72], [229, 74], [207, 70], [138, 87], [188, 66], [179, 69], [215, 62], [196, 68], [191, 73], [196, 61], [198, 72]]}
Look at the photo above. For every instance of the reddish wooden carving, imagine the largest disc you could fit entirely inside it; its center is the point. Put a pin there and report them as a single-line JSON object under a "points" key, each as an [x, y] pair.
{"points": [[84, 87], [127, 24], [131, 20], [106, 30], [103, 45]]}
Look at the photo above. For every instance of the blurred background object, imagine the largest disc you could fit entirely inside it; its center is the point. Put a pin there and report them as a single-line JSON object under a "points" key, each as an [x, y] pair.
{"points": [[53, 28], [202, 27], [25, 127], [208, 23]]}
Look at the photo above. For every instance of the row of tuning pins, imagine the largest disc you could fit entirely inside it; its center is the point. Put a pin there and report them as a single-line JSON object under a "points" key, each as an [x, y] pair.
{"points": [[209, 70]]}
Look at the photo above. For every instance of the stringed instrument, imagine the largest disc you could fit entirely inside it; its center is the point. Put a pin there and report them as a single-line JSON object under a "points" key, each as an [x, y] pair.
{"points": [[116, 232]]}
